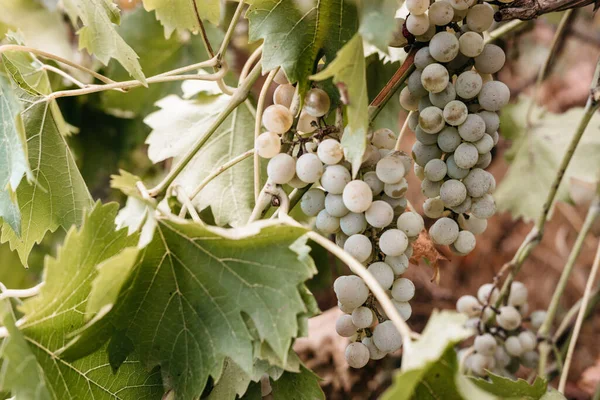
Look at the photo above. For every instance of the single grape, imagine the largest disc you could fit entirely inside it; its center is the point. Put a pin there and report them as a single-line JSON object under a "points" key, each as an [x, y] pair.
{"points": [[455, 112], [433, 208], [353, 223], [479, 363], [284, 95], [351, 291], [357, 196], [422, 154], [444, 231], [374, 352], [281, 168], [472, 129], [491, 59], [483, 207], [399, 264], [423, 58], [403, 289], [393, 242], [386, 337], [444, 97], [380, 214], [463, 207], [435, 77], [454, 171], [383, 273], [501, 356], [268, 144], [335, 178], [277, 119], [330, 151], [403, 308], [344, 326], [357, 355], [513, 346], [359, 246], [477, 182], [411, 224], [485, 144], [280, 77], [431, 119], [468, 305], [313, 202], [448, 139], [493, 96], [484, 161], [468, 85], [453, 192], [472, 224], [441, 13], [460, 5], [316, 102], [465, 242], [518, 294], [485, 344], [362, 317], [414, 84], [537, 318], [384, 138], [327, 223], [492, 121], [528, 340], [470, 44], [390, 169], [480, 17], [430, 189], [424, 137], [444, 46], [417, 7], [396, 190], [488, 293], [309, 168], [307, 123], [334, 204], [509, 318], [417, 24], [371, 179], [466, 155]]}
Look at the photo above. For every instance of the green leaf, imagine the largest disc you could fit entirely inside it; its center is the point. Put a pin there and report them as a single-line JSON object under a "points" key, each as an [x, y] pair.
{"points": [[20, 375], [297, 386], [348, 72], [378, 22], [179, 123], [13, 154], [59, 310], [297, 33], [536, 154], [378, 74], [509, 389], [185, 307], [157, 55], [58, 196], [553, 394], [99, 35], [180, 14]]}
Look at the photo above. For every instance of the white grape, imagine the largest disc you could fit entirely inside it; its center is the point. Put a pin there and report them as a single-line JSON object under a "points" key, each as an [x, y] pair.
{"points": [[334, 204], [463, 207], [414, 84], [390, 169], [485, 144], [530, 359], [480, 363], [470, 44], [441, 13], [485, 344], [422, 154], [353, 223], [472, 224], [528, 340], [483, 207], [374, 352], [297, 183], [411, 223], [448, 139], [493, 96], [453, 192], [403, 308], [423, 58], [509, 318], [477, 182], [417, 7], [396, 190], [460, 5], [393, 242], [280, 77], [351, 291], [371, 179], [419, 171], [268, 144], [468, 305], [444, 46], [327, 223], [357, 196], [444, 97], [430, 189], [444, 231], [359, 246], [281, 168], [380, 214], [309, 168], [537, 318], [345, 309], [417, 24], [435, 170], [362, 317], [425, 138], [455, 112], [330, 152], [344, 326], [466, 155], [501, 356], [386, 337], [399, 264], [277, 119], [431, 119], [518, 294], [488, 293], [491, 59], [335, 178], [316, 102], [371, 156], [408, 101], [357, 355], [382, 273], [465, 242], [454, 171], [433, 208], [468, 85], [403, 289], [484, 160], [480, 17], [284, 95], [384, 138], [312, 202], [492, 121], [435, 77], [513, 346], [472, 129], [307, 123]]}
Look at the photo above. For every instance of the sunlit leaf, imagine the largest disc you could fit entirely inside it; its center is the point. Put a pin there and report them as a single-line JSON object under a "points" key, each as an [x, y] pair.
{"points": [[181, 14]]}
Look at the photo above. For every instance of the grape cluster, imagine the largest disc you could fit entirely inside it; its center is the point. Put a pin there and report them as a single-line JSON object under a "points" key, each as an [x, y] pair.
{"points": [[454, 100], [503, 342]]}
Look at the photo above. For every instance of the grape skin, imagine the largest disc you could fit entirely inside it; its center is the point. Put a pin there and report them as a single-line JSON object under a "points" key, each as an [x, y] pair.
{"points": [[277, 119], [281, 168], [357, 196], [335, 178], [359, 246], [313, 202], [357, 355], [268, 144], [411, 224], [393, 242], [383, 273], [330, 152], [386, 337], [403, 289], [353, 223], [380, 214], [444, 231]]}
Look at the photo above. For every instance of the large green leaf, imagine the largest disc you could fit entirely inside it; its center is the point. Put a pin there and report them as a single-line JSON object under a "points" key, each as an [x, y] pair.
{"points": [[297, 386], [203, 294], [180, 14], [59, 310], [536, 154], [509, 389], [348, 72], [179, 123], [58, 196], [99, 35], [297, 33], [378, 21]]}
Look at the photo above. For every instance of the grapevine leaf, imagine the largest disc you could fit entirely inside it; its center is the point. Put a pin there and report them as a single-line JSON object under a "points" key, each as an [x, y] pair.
{"points": [[535, 156], [298, 386], [157, 55], [59, 309], [378, 74], [179, 123], [137, 216], [509, 389], [200, 292], [21, 375], [58, 196], [126, 182], [297, 33], [13, 154], [181, 15], [99, 35], [377, 22], [553, 394], [348, 72]]}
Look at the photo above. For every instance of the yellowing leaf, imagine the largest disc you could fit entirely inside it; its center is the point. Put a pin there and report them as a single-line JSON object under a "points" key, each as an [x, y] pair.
{"points": [[181, 15]]}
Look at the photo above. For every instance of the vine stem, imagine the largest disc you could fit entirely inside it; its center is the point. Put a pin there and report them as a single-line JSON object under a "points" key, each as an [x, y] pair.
{"points": [[187, 206], [72, 79], [544, 330], [504, 30], [21, 293], [250, 62], [238, 98], [580, 317], [403, 131], [568, 319], [260, 106]]}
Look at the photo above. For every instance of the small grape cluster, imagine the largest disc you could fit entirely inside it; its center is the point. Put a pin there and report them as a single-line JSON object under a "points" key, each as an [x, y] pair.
{"points": [[454, 100], [503, 343]]}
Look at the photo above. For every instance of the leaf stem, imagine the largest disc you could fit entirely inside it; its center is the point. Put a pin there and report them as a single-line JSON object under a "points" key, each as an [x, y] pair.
{"points": [[187, 205], [230, 30], [21, 293], [504, 30], [72, 79], [238, 98], [580, 317], [260, 106]]}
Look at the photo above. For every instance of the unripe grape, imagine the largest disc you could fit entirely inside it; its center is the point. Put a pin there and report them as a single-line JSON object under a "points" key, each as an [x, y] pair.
{"points": [[485, 344], [280, 78], [353, 223], [316, 102], [281, 168], [277, 119], [484, 161], [430, 189], [357, 196], [417, 24], [518, 294], [463, 207], [444, 231], [384, 138], [351, 291], [313, 202], [468, 85], [268, 144], [443, 46], [513, 346], [335, 178], [423, 58], [444, 97], [359, 246], [470, 44], [399, 264], [362, 317], [403, 289], [374, 352], [466, 155], [488, 293], [465, 242], [380, 214], [414, 84], [382, 273], [477, 182], [284, 95], [468, 305], [434, 77], [396, 190], [472, 129], [483, 207], [417, 7], [528, 340], [453, 192], [441, 13], [390, 169], [330, 151], [435, 170], [455, 112], [454, 171], [411, 223], [537, 318], [492, 121], [480, 17], [403, 308], [479, 363], [491, 59], [433, 208], [448, 139], [493, 96], [431, 119], [393, 242], [297, 183], [386, 337], [327, 223], [307, 123], [344, 326], [509, 318], [485, 144], [357, 355], [334, 204], [309, 168]]}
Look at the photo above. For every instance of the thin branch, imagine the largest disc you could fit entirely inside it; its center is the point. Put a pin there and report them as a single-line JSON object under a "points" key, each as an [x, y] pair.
{"points": [[260, 105], [504, 30], [580, 317], [263, 201], [250, 62], [230, 30], [62, 73], [205, 40], [572, 313], [21, 293], [187, 205], [531, 9], [402, 132]]}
